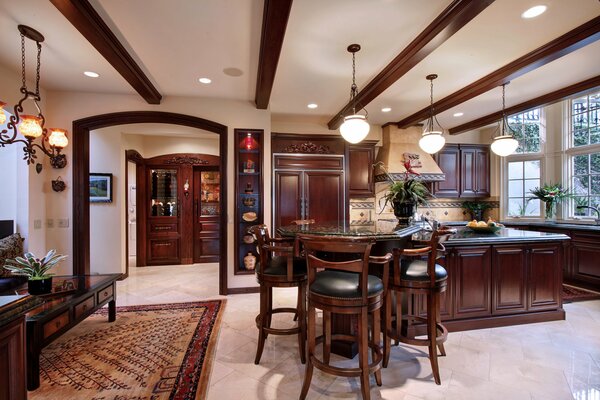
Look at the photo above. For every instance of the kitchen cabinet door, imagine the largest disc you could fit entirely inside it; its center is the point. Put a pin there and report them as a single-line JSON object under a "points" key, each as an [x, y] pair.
{"points": [[544, 276], [472, 284], [585, 256], [448, 159], [468, 172], [509, 279], [288, 197], [482, 171], [360, 165], [324, 196]]}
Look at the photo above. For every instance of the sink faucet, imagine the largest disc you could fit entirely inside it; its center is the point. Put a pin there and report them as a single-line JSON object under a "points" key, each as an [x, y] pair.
{"points": [[597, 209]]}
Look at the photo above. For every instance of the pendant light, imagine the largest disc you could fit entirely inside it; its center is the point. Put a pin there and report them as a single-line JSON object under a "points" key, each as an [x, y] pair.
{"points": [[355, 127], [505, 143], [433, 139]]}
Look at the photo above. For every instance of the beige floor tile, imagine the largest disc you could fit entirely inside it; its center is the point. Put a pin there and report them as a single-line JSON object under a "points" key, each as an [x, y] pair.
{"points": [[239, 386], [468, 387], [219, 371]]}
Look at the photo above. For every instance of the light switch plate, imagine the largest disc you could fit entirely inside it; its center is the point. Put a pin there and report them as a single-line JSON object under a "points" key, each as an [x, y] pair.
{"points": [[37, 224], [50, 223], [63, 222]]}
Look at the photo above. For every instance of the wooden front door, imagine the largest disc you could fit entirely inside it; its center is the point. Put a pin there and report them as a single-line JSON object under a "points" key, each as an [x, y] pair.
{"points": [[206, 192]]}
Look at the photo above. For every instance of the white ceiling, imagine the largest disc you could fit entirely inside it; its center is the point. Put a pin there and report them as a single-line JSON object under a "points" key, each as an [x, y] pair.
{"points": [[176, 42]]}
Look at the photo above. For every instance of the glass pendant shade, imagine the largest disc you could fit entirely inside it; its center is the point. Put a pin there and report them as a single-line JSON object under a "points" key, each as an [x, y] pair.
{"points": [[504, 145], [2, 114], [30, 126], [58, 138], [355, 128], [432, 142]]}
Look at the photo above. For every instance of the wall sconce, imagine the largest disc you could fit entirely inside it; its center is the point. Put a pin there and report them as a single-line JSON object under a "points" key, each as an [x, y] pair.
{"points": [[186, 188], [58, 185]]}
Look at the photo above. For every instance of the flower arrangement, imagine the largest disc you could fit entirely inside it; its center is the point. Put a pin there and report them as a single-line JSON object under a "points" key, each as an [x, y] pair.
{"points": [[409, 190], [550, 194]]}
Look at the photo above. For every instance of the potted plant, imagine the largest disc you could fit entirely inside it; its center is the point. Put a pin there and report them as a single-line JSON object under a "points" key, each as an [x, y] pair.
{"points": [[551, 195], [404, 195], [36, 270], [476, 209]]}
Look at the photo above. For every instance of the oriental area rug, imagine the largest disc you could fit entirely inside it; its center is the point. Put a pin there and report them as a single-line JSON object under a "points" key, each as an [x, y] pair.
{"points": [[571, 294], [162, 351]]}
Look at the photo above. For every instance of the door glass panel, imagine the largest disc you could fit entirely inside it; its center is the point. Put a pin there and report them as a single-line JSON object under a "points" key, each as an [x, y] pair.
{"points": [[163, 184], [210, 193]]}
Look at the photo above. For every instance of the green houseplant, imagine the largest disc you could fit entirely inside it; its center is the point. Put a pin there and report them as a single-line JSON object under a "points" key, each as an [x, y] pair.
{"points": [[476, 209], [551, 195], [36, 270], [404, 195]]}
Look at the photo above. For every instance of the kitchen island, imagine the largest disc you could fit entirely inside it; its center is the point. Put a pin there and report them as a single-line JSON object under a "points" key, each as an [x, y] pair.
{"points": [[496, 279]]}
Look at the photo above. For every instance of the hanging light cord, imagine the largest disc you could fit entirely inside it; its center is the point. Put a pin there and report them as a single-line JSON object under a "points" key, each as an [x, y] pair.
{"points": [[353, 88]]}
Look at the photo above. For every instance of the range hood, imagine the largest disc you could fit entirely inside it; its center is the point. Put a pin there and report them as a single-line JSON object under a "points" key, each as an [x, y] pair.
{"points": [[400, 145]]}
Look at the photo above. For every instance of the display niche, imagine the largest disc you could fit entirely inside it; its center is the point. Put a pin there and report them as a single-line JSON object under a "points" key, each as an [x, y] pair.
{"points": [[248, 197]]}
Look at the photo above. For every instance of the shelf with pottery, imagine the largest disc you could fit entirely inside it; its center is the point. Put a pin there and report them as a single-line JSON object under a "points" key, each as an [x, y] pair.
{"points": [[248, 197]]}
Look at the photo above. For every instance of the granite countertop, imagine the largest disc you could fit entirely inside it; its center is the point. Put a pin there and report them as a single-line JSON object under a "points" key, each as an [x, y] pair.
{"points": [[12, 307], [557, 225], [465, 236], [380, 231]]}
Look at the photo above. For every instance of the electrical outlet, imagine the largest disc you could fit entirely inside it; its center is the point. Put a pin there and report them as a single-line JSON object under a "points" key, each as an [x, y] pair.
{"points": [[37, 224], [50, 223], [63, 222]]}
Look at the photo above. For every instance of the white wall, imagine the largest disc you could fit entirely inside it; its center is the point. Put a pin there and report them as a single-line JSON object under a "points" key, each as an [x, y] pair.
{"points": [[65, 107], [154, 145], [8, 181]]}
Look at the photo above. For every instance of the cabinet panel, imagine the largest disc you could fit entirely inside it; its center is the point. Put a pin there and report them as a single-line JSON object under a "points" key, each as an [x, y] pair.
{"points": [[163, 251], [545, 277], [360, 179], [586, 261], [509, 279], [482, 172], [324, 195], [468, 172], [12, 361], [308, 162], [472, 282], [448, 160], [288, 197]]}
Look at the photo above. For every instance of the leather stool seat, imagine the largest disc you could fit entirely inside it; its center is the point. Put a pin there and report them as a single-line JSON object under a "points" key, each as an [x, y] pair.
{"points": [[416, 270], [344, 285], [278, 266]]}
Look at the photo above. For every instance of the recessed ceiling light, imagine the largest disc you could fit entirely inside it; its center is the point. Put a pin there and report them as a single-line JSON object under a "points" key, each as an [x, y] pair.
{"points": [[386, 109], [534, 12], [91, 74], [312, 105], [458, 114], [206, 81]]}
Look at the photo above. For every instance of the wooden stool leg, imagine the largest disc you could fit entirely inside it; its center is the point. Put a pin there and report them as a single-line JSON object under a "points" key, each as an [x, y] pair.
{"points": [[387, 346], [363, 353], [398, 316], [269, 306], [438, 319], [431, 335], [298, 302], [302, 322], [308, 372], [261, 320], [326, 336], [377, 341]]}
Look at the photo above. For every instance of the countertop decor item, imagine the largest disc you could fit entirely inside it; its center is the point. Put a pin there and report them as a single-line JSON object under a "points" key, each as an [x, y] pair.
{"points": [[37, 270], [32, 126], [551, 194]]}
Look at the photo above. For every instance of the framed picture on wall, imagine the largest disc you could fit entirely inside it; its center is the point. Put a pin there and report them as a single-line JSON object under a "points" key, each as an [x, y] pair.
{"points": [[101, 188]]}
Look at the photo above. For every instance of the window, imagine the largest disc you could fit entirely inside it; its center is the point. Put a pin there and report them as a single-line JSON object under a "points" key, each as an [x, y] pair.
{"points": [[527, 127], [523, 176], [585, 123], [586, 183]]}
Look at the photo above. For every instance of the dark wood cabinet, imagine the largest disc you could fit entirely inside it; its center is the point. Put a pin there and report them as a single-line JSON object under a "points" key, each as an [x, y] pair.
{"points": [[448, 159], [308, 187], [249, 199], [12, 361], [207, 232], [472, 283], [360, 170], [467, 171], [544, 277], [509, 277]]}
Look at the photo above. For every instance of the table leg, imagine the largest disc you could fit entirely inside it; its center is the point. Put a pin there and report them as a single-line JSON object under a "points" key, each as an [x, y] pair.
{"points": [[112, 311], [33, 366]]}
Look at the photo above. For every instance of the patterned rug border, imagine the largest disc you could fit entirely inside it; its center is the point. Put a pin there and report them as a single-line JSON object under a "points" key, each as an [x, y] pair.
{"points": [[200, 386], [592, 295]]}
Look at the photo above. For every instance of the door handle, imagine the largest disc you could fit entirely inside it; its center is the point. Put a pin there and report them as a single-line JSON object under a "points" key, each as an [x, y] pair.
{"points": [[306, 213]]}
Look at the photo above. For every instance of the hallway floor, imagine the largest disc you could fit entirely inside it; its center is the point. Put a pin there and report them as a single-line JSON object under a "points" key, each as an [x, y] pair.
{"points": [[550, 361]]}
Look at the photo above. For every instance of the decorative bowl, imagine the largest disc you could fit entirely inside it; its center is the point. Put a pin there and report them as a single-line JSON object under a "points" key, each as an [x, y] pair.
{"points": [[486, 229], [249, 216]]}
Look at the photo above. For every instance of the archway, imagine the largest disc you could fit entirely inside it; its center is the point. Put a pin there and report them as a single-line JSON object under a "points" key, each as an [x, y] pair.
{"points": [[81, 170]]}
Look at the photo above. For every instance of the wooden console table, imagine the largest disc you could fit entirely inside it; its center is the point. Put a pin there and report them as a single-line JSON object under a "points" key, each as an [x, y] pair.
{"points": [[61, 312]]}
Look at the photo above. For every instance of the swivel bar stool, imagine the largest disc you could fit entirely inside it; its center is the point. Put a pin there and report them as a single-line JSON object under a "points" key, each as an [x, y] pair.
{"points": [[419, 277], [277, 271], [344, 287]]}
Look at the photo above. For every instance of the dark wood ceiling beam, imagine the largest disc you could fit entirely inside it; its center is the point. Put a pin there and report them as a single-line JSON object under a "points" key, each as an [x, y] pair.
{"points": [[450, 21], [89, 23], [540, 101], [563, 45], [275, 19]]}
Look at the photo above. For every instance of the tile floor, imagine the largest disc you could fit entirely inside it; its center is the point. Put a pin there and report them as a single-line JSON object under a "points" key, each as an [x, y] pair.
{"points": [[554, 360]]}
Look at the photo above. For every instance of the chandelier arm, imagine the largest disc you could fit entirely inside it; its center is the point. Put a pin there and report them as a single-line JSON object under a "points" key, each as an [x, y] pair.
{"points": [[49, 152]]}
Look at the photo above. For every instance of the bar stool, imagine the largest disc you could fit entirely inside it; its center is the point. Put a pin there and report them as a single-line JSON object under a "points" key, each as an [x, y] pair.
{"points": [[344, 287], [279, 271], [419, 277]]}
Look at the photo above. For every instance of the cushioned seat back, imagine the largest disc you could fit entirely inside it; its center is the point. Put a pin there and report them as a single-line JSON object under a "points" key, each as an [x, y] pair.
{"points": [[354, 251]]}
